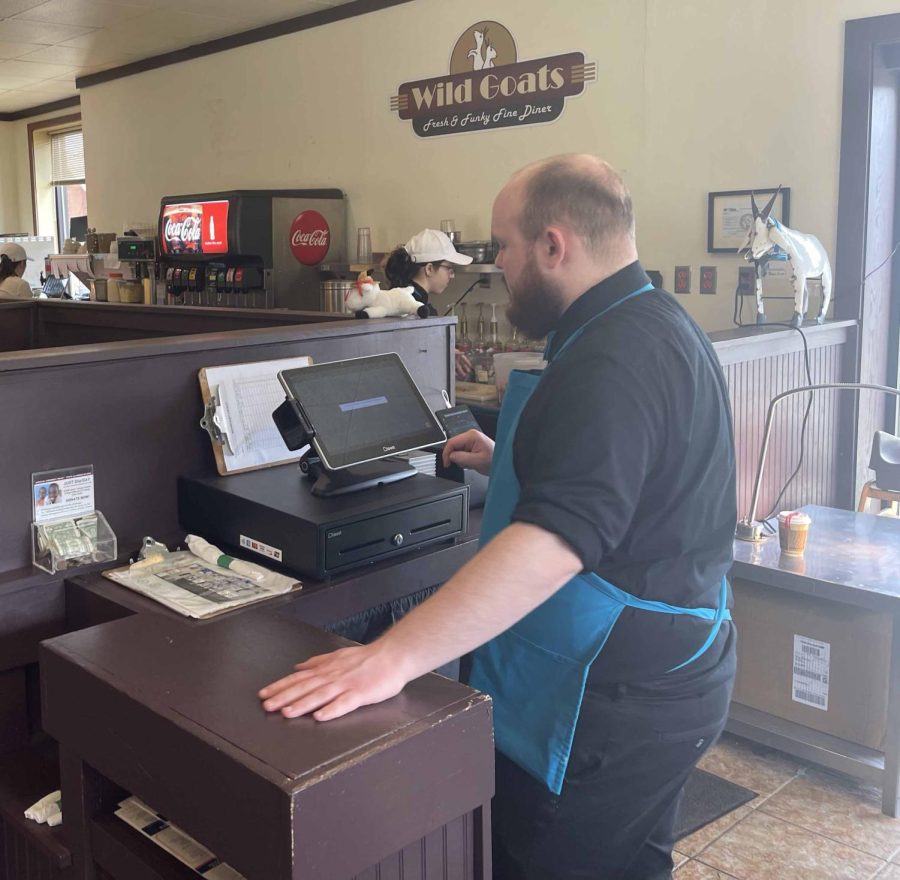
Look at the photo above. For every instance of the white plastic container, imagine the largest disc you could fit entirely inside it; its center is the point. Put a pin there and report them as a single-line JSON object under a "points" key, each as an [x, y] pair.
{"points": [[506, 361]]}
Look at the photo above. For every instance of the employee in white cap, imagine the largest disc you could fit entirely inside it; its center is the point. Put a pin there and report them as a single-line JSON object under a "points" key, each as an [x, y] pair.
{"points": [[12, 268], [427, 262]]}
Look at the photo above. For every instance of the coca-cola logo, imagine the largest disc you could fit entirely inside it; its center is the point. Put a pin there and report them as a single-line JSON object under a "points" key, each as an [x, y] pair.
{"points": [[188, 229], [310, 238]]}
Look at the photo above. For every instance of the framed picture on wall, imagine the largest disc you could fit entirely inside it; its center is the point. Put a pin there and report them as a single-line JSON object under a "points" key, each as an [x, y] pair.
{"points": [[730, 215]]}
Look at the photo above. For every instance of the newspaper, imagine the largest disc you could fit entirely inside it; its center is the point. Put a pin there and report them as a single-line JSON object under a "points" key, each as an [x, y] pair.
{"points": [[197, 588], [174, 841]]}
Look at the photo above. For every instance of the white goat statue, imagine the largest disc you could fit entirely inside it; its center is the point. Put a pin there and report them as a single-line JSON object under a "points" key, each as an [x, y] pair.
{"points": [[768, 238]]}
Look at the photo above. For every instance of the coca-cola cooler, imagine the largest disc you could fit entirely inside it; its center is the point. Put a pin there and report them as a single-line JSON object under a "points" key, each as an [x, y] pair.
{"points": [[250, 248]]}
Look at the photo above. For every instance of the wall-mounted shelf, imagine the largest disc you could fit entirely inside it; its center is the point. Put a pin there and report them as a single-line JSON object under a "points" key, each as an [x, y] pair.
{"points": [[480, 269], [356, 268], [344, 268]]}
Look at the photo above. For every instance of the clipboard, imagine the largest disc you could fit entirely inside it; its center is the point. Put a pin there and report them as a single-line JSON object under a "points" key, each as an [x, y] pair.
{"points": [[238, 401]]}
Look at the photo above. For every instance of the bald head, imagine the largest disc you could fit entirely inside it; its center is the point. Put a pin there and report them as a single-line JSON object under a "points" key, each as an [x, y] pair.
{"points": [[580, 192]]}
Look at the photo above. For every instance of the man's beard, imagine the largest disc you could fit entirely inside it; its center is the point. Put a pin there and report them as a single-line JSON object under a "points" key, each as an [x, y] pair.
{"points": [[536, 305]]}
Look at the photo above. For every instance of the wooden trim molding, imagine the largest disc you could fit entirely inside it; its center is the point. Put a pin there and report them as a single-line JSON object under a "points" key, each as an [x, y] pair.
{"points": [[245, 38], [32, 128], [40, 109]]}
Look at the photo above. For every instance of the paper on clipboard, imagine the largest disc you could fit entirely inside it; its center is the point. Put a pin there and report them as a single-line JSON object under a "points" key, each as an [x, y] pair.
{"points": [[240, 399]]}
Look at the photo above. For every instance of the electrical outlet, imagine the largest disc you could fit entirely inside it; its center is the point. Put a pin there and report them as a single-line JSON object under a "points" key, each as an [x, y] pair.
{"points": [[682, 282], [484, 280], [708, 279], [746, 281]]}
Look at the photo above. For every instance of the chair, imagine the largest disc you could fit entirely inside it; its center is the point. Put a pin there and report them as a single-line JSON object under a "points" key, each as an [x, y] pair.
{"points": [[885, 461]]}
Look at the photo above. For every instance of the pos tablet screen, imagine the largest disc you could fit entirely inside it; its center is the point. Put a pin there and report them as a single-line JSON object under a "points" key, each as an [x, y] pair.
{"points": [[362, 409]]}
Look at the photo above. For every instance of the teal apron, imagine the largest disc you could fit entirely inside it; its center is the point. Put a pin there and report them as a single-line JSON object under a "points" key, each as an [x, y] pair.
{"points": [[536, 670]]}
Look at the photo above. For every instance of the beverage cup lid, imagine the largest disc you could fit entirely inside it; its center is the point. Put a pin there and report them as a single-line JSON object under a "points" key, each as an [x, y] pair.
{"points": [[792, 518]]}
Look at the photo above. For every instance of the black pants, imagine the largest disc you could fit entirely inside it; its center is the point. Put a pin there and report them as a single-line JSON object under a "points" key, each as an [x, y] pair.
{"points": [[635, 746]]}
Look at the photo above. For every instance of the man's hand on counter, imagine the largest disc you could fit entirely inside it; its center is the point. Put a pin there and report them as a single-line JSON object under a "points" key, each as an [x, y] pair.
{"points": [[472, 450], [336, 683], [513, 574]]}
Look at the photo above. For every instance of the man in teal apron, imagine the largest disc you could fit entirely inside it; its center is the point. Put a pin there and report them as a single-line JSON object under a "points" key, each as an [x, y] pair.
{"points": [[598, 602]]}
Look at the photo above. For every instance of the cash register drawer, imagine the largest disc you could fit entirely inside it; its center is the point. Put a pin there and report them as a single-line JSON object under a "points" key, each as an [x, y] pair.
{"points": [[272, 513], [389, 532]]}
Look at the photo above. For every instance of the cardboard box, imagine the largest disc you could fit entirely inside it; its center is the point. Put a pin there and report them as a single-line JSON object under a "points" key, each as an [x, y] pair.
{"points": [[813, 661]]}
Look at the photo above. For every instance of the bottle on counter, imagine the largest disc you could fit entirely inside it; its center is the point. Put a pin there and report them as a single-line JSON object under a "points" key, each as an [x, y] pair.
{"points": [[514, 343], [495, 345], [483, 355], [463, 342]]}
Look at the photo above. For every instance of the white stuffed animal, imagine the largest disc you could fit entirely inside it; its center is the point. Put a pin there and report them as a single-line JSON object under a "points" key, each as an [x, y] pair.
{"points": [[368, 300]]}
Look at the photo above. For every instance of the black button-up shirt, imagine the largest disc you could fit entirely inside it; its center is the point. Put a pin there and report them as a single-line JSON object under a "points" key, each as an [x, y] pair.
{"points": [[625, 450]]}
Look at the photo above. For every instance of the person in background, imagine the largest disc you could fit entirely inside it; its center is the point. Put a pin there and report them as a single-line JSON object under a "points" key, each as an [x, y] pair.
{"points": [[426, 262], [597, 604], [12, 268]]}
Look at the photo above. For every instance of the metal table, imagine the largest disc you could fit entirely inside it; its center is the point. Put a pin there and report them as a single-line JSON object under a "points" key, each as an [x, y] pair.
{"points": [[853, 558]]}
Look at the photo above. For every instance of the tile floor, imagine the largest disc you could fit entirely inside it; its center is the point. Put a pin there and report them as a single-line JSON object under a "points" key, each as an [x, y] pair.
{"points": [[805, 824]]}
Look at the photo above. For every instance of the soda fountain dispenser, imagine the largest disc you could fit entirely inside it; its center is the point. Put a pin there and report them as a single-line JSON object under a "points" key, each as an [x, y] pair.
{"points": [[250, 248]]}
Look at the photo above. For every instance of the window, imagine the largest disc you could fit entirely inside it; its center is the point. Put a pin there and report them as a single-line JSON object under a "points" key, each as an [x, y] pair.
{"points": [[67, 180]]}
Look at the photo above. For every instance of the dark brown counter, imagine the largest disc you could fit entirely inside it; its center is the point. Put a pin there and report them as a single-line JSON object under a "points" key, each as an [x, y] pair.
{"points": [[156, 707]]}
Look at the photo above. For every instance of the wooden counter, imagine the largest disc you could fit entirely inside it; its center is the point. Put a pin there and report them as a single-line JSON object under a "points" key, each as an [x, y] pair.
{"points": [[164, 710]]}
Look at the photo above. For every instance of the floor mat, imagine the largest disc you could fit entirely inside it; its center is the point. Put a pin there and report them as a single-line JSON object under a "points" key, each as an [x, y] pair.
{"points": [[706, 798]]}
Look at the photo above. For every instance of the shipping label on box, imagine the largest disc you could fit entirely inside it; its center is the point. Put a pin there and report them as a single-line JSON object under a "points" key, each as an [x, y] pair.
{"points": [[811, 671]]}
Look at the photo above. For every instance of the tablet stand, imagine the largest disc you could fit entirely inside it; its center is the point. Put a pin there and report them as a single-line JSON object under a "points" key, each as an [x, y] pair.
{"points": [[297, 433], [353, 479]]}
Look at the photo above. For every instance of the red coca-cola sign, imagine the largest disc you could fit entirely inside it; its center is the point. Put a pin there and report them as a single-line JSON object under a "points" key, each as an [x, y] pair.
{"points": [[310, 238], [196, 228]]}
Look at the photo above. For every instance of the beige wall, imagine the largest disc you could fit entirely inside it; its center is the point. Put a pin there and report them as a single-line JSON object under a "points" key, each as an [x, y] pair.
{"points": [[691, 96], [10, 181], [15, 175]]}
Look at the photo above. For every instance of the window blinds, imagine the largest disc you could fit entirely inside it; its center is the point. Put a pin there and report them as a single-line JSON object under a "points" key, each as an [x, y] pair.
{"points": [[67, 157]]}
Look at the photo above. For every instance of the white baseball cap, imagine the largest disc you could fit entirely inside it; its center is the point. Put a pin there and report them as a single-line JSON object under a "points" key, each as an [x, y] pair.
{"points": [[15, 252], [432, 246]]}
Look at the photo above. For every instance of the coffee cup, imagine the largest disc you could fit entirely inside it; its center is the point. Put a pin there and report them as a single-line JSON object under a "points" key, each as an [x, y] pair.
{"points": [[793, 531]]}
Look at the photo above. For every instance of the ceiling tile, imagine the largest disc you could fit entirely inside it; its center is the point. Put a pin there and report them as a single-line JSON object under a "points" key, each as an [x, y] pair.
{"points": [[34, 69], [84, 13], [159, 31], [76, 58], [252, 14], [17, 50], [50, 42], [12, 101], [146, 5], [62, 89], [14, 7], [37, 32], [16, 82]]}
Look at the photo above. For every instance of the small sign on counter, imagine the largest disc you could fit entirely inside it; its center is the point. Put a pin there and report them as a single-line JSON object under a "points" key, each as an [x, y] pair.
{"points": [[62, 494]]}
